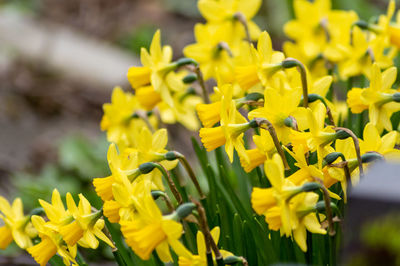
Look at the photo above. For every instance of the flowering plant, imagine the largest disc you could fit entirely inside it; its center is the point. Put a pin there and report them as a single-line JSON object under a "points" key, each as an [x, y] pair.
{"points": [[280, 147]]}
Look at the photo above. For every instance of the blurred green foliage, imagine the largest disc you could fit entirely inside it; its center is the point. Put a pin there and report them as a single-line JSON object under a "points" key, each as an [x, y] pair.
{"points": [[140, 36], [79, 161], [381, 242]]}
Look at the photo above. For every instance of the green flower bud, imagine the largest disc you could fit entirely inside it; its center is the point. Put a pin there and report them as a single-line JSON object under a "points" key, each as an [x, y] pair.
{"points": [[190, 78], [341, 134], [146, 168], [185, 209]]}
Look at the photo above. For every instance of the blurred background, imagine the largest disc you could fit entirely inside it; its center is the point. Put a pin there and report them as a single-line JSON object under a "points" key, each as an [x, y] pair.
{"points": [[60, 59]]}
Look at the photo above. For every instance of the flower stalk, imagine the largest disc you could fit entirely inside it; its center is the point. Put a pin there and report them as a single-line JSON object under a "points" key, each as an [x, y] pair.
{"points": [[356, 145], [265, 124]]}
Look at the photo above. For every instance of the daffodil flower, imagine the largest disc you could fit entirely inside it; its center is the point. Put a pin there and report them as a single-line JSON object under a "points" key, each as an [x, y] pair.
{"points": [[278, 108], [156, 70], [119, 118], [231, 130], [118, 163], [150, 230], [225, 14], [319, 34], [309, 222], [264, 62], [264, 151], [264, 199], [378, 98], [16, 226], [51, 243], [86, 225], [211, 51]]}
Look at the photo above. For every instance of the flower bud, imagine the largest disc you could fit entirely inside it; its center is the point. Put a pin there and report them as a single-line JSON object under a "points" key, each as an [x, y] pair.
{"points": [[341, 134], [146, 168], [190, 78], [331, 157], [185, 209]]}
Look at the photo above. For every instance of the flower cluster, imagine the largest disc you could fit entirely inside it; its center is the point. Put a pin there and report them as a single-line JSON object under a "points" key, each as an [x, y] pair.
{"points": [[62, 231], [283, 114]]}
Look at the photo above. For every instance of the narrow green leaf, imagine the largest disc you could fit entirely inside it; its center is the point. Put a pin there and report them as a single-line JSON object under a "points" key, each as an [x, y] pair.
{"points": [[119, 242], [250, 245], [238, 235]]}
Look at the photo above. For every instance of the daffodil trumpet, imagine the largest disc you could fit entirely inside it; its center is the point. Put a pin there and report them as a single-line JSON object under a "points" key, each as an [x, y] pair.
{"points": [[291, 62], [265, 124]]}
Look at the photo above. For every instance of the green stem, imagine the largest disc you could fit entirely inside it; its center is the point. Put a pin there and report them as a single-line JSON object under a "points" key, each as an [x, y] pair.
{"points": [[328, 208], [356, 146], [262, 121], [190, 172], [202, 84], [170, 182], [120, 250]]}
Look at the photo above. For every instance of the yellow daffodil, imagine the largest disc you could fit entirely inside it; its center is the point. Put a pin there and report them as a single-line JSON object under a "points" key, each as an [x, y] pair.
{"points": [[55, 211], [151, 230], [51, 243], [373, 142], [263, 63], [387, 27], [211, 51], [183, 111], [231, 130], [319, 34], [118, 163], [304, 203], [125, 195], [378, 98], [362, 53], [86, 225], [303, 218], [277, 109], [156, 69], [306, 172], [264, 151], [263, 199], [119, 118], [16, 225], [226, 14]]}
